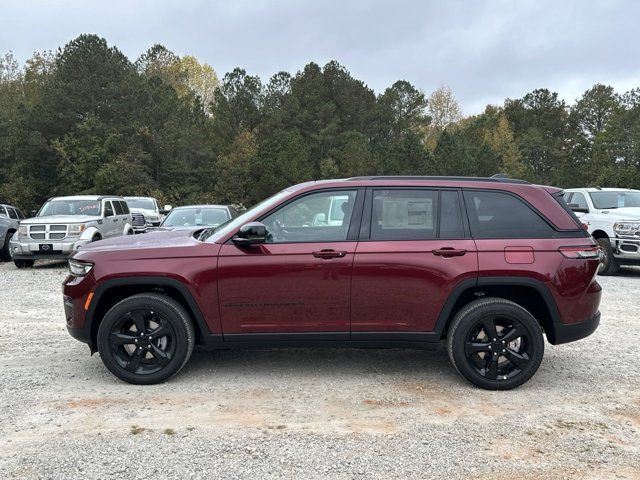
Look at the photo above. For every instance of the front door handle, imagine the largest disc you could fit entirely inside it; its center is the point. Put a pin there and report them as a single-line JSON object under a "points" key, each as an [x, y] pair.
{"points": [[449, 252], [328, 254]]}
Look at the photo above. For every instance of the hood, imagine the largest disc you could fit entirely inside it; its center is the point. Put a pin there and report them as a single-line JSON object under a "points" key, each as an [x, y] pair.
{"points": [[147, 241], [145, 211], [622, 213], [48, 219]]}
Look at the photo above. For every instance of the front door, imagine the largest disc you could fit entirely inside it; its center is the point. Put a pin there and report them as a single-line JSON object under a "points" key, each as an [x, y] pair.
{"points": [[300, 280], [414, 249]]}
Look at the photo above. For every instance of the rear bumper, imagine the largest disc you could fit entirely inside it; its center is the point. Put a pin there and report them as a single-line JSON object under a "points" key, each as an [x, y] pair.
{"points": [[570, 332]]}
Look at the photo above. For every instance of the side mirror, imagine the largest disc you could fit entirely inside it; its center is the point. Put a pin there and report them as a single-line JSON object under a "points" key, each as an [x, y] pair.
{"points": [[577, 208], [34, 213], [252, 233], [166, 209]]}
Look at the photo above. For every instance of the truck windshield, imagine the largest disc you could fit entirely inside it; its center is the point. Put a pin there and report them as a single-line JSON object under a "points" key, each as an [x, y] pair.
{"points": [[143, 203], [615, 199], [70, 207], [196, 217]]}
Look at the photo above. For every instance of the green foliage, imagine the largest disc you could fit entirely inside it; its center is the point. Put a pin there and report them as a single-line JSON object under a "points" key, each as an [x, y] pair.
{"points": [[85, 119]]}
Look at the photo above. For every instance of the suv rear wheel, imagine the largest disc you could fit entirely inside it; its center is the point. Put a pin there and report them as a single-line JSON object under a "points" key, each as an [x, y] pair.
{"points": [[495, 344], [146, 338]]}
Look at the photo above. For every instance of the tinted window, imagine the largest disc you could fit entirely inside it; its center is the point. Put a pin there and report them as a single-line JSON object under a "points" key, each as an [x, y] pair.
{"points": [[108, 209], [403, 215], [319, 217], [450, 215], [12, 213], [118, 208], [500, 215], [20, 214], [125, 207], [578, 200]]}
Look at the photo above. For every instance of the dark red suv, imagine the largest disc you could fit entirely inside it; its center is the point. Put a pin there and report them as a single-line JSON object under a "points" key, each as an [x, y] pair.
{"points": [[489, 264]]}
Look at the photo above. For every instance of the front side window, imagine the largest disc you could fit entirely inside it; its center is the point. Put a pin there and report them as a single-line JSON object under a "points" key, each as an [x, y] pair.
{"points": [[3, 212], [607, 200], [500, 215], [70, 207], [318, 217], [404, 214], [108, 209], [578, 200]]}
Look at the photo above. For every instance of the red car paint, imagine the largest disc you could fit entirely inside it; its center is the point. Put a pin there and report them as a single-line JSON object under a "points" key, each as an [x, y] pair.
{"points": [[387, 287]]}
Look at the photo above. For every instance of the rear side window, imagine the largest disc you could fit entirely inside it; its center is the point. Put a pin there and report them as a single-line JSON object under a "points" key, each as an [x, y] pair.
{"points": [[578, 200], [125, 207], [404, 214], [118, 207], [500, 215], [12, 213]]}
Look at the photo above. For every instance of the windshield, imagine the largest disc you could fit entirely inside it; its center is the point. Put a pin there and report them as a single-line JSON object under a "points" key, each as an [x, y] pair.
{"points": [[615, 199], [234, 224], [196, 217], [70, 207], [143, 203]]}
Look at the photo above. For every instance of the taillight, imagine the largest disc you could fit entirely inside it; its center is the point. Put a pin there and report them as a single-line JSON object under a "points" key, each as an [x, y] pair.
{"points": [[580, 252]]}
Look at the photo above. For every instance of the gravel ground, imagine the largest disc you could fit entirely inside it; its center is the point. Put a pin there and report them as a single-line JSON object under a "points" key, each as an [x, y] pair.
{"points": [[312, 413]]}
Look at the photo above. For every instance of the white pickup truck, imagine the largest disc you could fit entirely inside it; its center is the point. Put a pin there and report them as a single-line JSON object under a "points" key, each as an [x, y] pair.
{"points": [[612, 217]]}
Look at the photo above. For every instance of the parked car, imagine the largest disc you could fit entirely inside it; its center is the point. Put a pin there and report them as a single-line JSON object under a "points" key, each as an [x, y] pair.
{"points": [[64, 224], [488, 264], [10, 217], [146, 212], [193, 216], [612, 216]]}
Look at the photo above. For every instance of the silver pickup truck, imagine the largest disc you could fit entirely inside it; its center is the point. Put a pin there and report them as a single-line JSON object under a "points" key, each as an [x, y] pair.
{"points": [[64, 224]]}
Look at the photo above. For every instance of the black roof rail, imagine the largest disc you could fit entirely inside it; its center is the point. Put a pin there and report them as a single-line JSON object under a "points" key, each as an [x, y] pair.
{"points": [[501, 178]]}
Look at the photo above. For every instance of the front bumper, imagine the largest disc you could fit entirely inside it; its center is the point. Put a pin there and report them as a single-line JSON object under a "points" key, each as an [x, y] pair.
{"points": [[626, 249], [570, 332], [30, 249]]}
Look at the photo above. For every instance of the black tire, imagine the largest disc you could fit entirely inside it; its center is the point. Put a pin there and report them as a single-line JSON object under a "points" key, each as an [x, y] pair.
{"points": [[149, 360], [609, 265], [5, 253], [96, 238], [486, 360], [23, 263]]}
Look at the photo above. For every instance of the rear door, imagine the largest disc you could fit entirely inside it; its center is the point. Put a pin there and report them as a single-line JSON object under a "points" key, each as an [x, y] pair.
{"points": [[414, 249], [111, 221]]}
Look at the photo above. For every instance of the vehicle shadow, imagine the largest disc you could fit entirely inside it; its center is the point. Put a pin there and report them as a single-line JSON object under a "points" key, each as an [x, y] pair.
{"points": [[628, 271], [317, 361], [50, 264]]}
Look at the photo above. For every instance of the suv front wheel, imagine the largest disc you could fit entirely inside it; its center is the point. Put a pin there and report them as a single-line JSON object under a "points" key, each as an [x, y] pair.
{"points": [[495, 343], [146, 338]]}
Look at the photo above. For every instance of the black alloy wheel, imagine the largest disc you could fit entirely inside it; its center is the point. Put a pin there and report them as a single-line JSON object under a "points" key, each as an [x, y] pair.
{"points": [[495, 343], [146, 338]]}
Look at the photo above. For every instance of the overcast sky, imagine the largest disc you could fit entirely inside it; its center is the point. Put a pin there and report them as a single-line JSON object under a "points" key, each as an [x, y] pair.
{"points": [[485, 51]]}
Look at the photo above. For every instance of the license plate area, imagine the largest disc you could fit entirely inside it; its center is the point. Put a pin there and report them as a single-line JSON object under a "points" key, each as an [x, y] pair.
{"points": [[45, 247]]}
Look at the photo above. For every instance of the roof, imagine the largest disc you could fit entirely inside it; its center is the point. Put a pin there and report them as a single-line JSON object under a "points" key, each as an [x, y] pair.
{"points": [[86, 197], [200, 206], [599, 189], [496, 178]]}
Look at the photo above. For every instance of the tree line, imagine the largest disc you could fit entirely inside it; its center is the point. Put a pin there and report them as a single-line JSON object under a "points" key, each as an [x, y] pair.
{"points": [[86, 119]]}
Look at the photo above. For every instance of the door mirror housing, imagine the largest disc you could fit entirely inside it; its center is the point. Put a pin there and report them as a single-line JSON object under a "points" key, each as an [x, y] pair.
{"points": [[577, 208], [252, 233], [34, 213], [166, 209]]}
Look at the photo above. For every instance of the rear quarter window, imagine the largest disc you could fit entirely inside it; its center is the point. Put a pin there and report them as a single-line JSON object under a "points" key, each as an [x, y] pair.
{"points": [[502, 215]]}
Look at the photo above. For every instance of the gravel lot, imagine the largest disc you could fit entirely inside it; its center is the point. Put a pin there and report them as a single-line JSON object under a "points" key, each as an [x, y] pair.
{"points": [[312, 413]]}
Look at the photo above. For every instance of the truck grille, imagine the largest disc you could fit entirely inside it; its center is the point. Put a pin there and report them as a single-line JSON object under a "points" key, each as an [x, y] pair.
{"points": [[47, 232], [137, 220]]}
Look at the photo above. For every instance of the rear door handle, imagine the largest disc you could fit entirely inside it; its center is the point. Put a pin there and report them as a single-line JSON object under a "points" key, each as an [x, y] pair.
{"points": [[328, 254], [449, 252]]}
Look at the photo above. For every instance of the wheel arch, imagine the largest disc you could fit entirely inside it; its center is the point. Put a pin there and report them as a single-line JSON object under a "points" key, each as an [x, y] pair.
{"points": [[530, 293], [598, 233], [114, 290]]}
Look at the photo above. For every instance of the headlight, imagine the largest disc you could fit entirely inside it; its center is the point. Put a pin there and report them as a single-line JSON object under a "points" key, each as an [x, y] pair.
{"points": [[78, 268], [76, 229], [23, 231], [626, 228]]}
